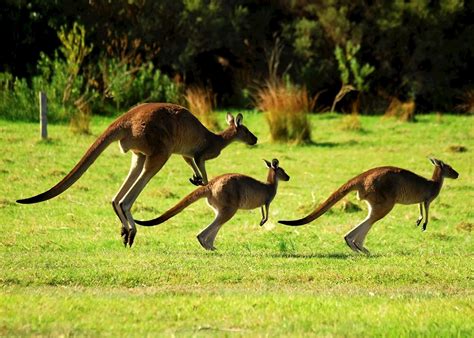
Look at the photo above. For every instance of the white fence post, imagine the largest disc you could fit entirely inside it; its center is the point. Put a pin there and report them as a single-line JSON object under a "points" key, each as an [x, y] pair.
{"points": [[43, 105]]}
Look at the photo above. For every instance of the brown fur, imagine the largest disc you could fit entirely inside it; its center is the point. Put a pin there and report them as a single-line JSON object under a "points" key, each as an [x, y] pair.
{"points": [[226, 194], [153, 131], [382, 188]]}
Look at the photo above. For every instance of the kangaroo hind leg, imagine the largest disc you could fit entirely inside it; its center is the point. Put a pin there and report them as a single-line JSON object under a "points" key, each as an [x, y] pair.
{"points": [[151, 166], [377, 211], [208, 235], [135, 169]]}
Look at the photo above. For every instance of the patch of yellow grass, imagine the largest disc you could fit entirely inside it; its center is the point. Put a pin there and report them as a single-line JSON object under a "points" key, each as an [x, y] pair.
{"points": [[285, 108]]}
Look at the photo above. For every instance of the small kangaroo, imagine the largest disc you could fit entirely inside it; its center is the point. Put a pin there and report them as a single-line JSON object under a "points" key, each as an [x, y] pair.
{"points": [[382, 188], [153, 132], [226, 194]]}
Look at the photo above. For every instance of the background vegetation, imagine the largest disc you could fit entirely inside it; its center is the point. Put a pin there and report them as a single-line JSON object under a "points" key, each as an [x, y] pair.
{"points": [[411, 51], [65, 271]]}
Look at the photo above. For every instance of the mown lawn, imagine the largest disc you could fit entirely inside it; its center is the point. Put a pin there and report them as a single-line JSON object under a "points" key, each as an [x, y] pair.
{"points": [[65, 271]]}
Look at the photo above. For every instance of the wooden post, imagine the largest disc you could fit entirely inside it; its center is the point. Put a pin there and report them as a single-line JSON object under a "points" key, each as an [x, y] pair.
{"points": [[43, 115]]}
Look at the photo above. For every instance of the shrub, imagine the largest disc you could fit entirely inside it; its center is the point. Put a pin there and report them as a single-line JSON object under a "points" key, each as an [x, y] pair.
{"points": [[17, 100], [128, 85], [200, 102], [59, 78], [405, 111], [285, 106]]}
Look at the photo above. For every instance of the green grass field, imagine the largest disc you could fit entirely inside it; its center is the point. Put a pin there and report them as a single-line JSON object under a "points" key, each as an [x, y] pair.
{"points": [[64, 270]]}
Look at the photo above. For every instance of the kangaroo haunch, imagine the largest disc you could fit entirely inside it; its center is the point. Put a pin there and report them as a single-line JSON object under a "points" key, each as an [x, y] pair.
{"points": [[226, 194], [382, 188], [153, 132]]}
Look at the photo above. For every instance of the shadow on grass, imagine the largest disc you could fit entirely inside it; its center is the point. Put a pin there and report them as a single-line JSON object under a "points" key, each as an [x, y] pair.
{"points": [[335, 255], [330, 144]]}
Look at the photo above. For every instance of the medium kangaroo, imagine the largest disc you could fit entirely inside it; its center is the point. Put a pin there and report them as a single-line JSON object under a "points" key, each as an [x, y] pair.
{"points": [[382, 188], [226, 194], [153, 132]]}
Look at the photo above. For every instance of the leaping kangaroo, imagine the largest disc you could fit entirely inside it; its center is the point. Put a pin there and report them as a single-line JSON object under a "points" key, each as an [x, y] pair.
{"points": [[382, 188], [153, 132], [226, 194]]}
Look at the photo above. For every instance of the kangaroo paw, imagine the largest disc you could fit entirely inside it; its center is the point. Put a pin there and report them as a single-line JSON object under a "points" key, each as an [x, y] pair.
{"points": [[196, 180], [424, 226], [131, 237], [125, 235], [418, 221]]}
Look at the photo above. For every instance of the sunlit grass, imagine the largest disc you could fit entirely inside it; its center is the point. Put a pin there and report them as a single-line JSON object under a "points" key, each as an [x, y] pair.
{"points": [[65, 271]]}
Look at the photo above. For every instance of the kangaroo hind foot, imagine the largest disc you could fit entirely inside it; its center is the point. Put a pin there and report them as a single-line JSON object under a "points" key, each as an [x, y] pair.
{"points": [[204, 243]]}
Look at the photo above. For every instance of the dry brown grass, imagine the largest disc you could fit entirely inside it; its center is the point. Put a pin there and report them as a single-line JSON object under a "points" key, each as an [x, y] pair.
{"points": [[200, 102], [405, 111], [285, 108], [351, 122]]}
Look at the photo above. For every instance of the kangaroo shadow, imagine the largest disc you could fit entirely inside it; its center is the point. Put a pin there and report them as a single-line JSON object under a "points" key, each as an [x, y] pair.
{"points": [[330, 144], [335, 255]]}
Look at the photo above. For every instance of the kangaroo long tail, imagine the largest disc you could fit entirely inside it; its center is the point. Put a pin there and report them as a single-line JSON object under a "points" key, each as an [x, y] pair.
{"points": [[326, 205], [184, 203], [112, 134]]}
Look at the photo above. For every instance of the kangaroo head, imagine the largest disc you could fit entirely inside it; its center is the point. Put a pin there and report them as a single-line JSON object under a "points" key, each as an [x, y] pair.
{"points": [[446, 169], [240, 131], [278, 172]]}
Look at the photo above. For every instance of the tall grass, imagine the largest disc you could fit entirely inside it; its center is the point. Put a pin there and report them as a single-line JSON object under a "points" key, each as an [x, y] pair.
{"points": [[200, 102], [405, 111], [286, 107]]}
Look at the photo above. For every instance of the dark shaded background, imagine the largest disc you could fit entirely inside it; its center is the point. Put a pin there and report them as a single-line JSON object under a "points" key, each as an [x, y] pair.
{"points": [[420, 50]]}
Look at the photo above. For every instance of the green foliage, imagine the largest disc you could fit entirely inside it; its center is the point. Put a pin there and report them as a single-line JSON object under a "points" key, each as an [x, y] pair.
{"points": [[350, 69], [65, 271], [65, 88], [20, 99], [421, 49], [127, 85], [75, 50]]}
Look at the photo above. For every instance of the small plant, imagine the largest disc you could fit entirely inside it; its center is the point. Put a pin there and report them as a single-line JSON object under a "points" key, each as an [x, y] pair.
{"points": [[75, 50], [200, 102], [286, 107], [353, 75], [351, 122]]}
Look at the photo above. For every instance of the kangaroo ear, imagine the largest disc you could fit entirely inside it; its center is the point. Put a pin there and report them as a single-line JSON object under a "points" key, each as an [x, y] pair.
{"points": [[275, 163], [229, 119], [436, 162], [269, 165], [238, 120]]}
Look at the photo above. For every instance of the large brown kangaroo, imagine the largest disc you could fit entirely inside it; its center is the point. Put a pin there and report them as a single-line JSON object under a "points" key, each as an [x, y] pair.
{"points": [[153, 131], [382, 188], [226, 194]]}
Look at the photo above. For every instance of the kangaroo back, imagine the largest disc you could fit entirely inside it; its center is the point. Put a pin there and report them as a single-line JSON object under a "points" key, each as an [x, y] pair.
{"points": [[111, 134], [184, 203], [351, 185]]}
